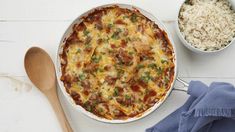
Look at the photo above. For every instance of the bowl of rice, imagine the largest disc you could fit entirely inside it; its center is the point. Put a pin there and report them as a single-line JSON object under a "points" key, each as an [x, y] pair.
{"points": [[206, 26]]}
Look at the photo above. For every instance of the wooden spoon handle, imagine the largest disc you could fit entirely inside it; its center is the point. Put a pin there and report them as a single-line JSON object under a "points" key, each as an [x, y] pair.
{"points": [[54, 100]]}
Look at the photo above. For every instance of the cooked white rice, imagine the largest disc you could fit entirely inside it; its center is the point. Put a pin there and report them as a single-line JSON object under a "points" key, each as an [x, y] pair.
{"points": [[207, 24]]}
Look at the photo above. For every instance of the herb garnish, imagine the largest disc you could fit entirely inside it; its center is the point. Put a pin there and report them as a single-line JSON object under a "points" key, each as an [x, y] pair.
{"points": [[164, 61], [81, 76], [139, 66], [116, 34], [127, 97], [152, 65], [96, 59], [116, 92], [146, 77], [85, 32], [78, 51], [133, 18]]}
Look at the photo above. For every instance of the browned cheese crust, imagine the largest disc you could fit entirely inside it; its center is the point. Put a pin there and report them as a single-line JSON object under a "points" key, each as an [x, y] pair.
{"points": [[117, 63]]}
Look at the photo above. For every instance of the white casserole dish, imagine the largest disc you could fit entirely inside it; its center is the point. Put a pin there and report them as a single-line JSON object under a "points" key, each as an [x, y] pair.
{"points": [[58, 65]]}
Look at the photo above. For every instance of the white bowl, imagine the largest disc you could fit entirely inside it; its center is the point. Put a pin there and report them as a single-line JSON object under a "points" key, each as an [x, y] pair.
{"points": [[190, 46]]}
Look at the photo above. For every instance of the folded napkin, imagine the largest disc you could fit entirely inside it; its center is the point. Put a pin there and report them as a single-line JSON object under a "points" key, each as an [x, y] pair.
{"points": [[208, 109]]}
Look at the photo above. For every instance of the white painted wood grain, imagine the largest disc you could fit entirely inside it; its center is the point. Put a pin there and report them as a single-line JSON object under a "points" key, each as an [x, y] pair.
{"points": [[26, 23], [24, 109], [15, 10]]}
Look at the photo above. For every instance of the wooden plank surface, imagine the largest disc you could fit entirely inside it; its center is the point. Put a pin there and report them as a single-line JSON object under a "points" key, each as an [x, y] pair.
{"points": [[60, 10], [27, 23]]}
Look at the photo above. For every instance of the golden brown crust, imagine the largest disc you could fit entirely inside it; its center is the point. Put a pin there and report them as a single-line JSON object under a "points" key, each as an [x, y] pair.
{"points": [[117, 63]]}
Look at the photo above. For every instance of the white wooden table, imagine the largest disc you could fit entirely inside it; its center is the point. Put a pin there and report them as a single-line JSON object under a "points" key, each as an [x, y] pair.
{"points": [[26, 23]]}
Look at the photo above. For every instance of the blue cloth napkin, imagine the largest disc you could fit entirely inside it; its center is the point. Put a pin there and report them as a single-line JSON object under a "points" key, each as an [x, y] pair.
{"points": [[208, 109]]}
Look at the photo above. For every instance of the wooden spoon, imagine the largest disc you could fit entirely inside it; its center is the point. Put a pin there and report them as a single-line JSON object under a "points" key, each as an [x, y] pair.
{"points": [[41, 72]]}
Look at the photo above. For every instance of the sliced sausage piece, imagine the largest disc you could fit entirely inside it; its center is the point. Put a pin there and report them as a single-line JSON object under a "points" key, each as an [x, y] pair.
{"points": [[142, 83], [110, 80], [99, 25], [73, 38], [90, 67], [76, 97], [124, 101], [124, 57], [135, 88], [86, 84], [107, 67], [149, 95], [79, 27], [123, 43], [120, 22]]}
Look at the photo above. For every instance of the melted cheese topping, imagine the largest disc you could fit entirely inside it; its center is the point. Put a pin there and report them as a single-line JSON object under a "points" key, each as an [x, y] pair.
{"points": [[117, 63]]}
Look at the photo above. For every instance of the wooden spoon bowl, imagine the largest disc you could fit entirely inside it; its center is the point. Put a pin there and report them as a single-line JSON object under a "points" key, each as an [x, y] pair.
{"points": [[41, 71]]}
